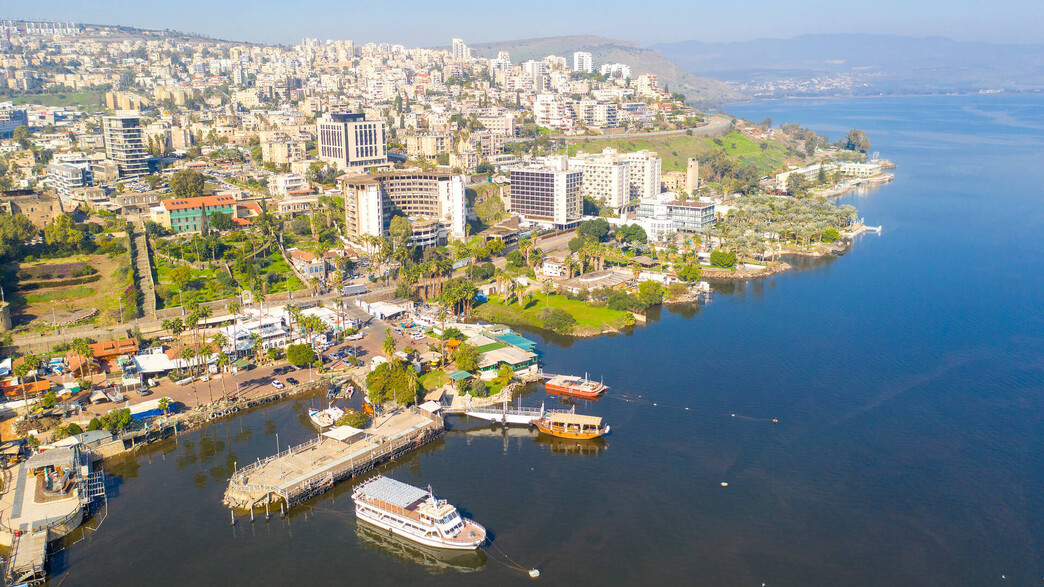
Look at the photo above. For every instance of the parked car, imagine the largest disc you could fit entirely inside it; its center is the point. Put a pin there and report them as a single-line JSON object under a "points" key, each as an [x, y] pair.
{"points": [[277, 384], [292, 381]]}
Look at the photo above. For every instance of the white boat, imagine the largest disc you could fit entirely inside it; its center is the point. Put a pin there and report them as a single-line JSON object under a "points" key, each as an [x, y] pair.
{"points": [[325, 418], [415, 514]]}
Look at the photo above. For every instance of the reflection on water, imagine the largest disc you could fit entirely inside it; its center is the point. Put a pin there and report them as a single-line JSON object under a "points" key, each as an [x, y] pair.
{"points": [[592, 447], [436, 560]]}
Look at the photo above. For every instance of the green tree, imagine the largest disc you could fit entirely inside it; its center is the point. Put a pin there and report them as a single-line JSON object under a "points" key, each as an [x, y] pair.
{"points": [[15, 232], [479, 389], [558, 320], [187, 183], [353, 418], [49, 400], [690, 273], [94, 424], [181, 276], [117, 419], [388, 346], [597, 229], [400, 231], [220, 221], [62, 234], [442, 159], [300, 355], [73, 429], [21, 136], [724, 259], [856, 140], [466, 357]]}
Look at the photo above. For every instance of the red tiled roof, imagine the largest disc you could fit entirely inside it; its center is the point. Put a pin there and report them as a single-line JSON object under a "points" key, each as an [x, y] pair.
{"points": [[114, 348], [189, 203]]}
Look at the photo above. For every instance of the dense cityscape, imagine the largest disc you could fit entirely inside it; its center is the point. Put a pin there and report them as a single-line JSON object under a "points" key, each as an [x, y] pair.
{"points": [[188, 221]]}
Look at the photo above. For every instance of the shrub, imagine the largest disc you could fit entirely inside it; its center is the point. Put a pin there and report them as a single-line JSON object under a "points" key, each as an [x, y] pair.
{"points": [[300, 354], [353, 418], [723, 259], [94, 424], [479, 389], [558, 320]]}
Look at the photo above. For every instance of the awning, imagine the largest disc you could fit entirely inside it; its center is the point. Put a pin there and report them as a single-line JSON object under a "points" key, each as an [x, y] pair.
{"points": [[458, 375], [342, 433], [241, 363], [430, 407]]}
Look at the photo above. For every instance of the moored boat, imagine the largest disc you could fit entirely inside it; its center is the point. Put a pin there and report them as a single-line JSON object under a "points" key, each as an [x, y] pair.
{"points": [[581, 387], [325, 418], [573, 426], [415, 514]]}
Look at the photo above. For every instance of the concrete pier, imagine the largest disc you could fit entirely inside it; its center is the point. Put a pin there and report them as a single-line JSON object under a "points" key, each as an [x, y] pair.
{"points": [[311, 468]]}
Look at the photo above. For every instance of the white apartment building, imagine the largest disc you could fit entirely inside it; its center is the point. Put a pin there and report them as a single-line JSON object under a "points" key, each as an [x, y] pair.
{"points": [[595, 113], [553, 111], [620, 70], [645, 174], [370, 200], [65, 177], [852, 169], [607, 178], [286, 183], [582, 62], [348, 141], [459, 51], [548, 194], [619, 179], [125, 144], [647, 85], [809, 172]]}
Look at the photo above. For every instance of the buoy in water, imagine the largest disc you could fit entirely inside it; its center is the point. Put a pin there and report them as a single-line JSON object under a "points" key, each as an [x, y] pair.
{"points": [[724, 484], [775, 421], [734, 415], [534, 573]]}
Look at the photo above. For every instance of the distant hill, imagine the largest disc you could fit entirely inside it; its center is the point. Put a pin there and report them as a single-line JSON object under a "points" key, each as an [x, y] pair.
{"points": [[697, 90], [888, 63]]}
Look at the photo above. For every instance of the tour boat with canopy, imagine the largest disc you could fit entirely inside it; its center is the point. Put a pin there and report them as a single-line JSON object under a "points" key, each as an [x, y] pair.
{"points": [[415, 514]]}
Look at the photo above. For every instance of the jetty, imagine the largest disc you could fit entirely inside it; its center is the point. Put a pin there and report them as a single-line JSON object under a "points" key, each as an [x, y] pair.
{"points": [[301, 472], [44, 498], [506, 414]]}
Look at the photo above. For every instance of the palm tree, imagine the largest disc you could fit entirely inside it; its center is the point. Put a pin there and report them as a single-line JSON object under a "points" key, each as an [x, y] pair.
{"points": [[255, 345], [29, 363], [233, 308], [389, 344], [187, 354], [222, 362]]}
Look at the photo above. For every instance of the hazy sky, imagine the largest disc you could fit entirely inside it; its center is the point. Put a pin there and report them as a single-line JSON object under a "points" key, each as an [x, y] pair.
{"points": [[429, 23]]}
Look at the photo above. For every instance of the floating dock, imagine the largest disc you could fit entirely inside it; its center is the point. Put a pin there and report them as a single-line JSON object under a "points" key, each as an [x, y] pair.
{"points": [[309, 469], [511, 415]]}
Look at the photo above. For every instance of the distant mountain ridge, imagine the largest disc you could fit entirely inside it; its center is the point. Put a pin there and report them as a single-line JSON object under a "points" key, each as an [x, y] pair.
{"points": [[888, 61], [697, 89]]}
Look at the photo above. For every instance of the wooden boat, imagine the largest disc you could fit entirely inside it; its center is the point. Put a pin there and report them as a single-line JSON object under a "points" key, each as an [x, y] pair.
{"points": [[415, 514], [573, 426], [575, 386]]}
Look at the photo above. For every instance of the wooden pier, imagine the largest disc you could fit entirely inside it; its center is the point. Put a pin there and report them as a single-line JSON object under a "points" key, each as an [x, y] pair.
{"points": [[311, 468]]}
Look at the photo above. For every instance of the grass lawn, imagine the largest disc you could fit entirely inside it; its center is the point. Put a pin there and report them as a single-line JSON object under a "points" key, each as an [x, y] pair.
{"points": [[434, 379], [203, 287], [70, 98], [278, 265], [39, 304], [60, 294], [675, 150], [588, 318]]}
